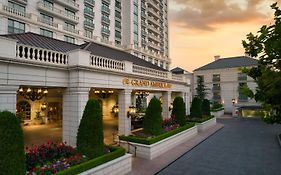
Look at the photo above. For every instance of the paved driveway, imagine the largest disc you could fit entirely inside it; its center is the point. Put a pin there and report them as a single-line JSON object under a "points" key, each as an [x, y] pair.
{"points": [[242, 147]]}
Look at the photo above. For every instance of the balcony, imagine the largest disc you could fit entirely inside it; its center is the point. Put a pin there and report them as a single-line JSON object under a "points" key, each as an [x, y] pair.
{"points": [[16, 12], [90, 2], [105, 20], [152, 28], [69, 4], [154, 46], [24, 2], [107, 1], [89, 13], [70, 29], [216, 88], [105, 10], [47, 22], [144, 33], [105, 31], [57, 12], [89, 25], [216, 79], [153, 4], [242, 78], [155, 22], [154, 37], [153, 12]]}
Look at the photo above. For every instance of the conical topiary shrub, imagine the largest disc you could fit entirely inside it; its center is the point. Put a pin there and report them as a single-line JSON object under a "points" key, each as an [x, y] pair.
{"points": [[196, 108], [152, 123], [179, 111], [90, 131], [206, 107], [12, 155]]}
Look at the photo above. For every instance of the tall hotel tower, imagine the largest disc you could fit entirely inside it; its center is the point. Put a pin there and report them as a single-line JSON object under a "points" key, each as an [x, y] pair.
{"points": [[139, 27]]}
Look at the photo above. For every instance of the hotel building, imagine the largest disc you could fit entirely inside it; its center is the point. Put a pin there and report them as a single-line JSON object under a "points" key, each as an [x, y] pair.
{"points": [[139, 27], [223, 80]]}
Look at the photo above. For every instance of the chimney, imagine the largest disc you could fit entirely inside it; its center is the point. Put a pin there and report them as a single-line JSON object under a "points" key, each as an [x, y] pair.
{"points": [[217, 57]]}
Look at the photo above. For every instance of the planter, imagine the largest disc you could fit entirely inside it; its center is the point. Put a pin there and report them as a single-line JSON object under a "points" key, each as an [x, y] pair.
{"points": [[218, 113], [121, 165], [207, 124], [158, 148]]}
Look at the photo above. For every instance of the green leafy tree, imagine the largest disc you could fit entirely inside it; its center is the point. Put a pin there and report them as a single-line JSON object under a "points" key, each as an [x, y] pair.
{"points": [[201, 89], [267, 74], [206, 107], [90, 131], [12, 155], [196, 107], [179, 111], [152, 123]]}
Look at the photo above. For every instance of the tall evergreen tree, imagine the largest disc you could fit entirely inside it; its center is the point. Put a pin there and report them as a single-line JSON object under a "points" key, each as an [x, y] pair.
{"points": [[90, 131], [179, 111], [152, 123], [201, 89]]}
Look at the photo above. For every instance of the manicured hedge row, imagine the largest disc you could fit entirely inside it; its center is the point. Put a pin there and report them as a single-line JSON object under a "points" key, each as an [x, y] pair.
{"points": [[149, 141], [116, 152], [216, 110], [200, 120]]}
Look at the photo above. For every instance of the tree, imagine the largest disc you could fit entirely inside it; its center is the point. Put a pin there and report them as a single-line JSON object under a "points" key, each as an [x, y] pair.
{"points": [[12, 154], [266, 47], [179, 111], [206, 107], [152, 122], [201, 88], [90, 131], [196, 107]]}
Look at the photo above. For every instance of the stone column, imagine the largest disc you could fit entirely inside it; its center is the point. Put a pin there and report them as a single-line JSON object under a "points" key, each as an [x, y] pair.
{"points": [[124, 123], [74, 102], [166, 104], [187, 103], [8, 98]]}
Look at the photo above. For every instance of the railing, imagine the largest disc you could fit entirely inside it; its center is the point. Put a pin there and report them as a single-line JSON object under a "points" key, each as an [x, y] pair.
{"points": [[91, 2], [15, 11], [41, 55], [70, 29], [149, 72], [177, 77], [105, 63], [49, 22]]}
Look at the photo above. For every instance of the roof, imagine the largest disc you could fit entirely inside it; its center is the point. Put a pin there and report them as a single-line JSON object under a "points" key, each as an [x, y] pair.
{"points": [[178, 70], [37, 40], [231, 62]]}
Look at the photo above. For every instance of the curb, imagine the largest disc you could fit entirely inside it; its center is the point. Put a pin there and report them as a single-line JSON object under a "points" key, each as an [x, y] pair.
{"points": [[279, 139], [192, 149]]}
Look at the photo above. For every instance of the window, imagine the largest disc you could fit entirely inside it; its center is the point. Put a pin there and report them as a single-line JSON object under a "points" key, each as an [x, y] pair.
{"points": [[216, 77], [88, 8], [162, 64], [15, 26], [70, 13], [105, 38], [69, 26], [136, 28], [150, 59], [242, 97], [216, 87], [69, 39], [48, 4], [118, 24], [16, 7], [47, 33], [156, 62], [117, 34], [143, 57], [88, 33], [46, 19], [200, 77]]}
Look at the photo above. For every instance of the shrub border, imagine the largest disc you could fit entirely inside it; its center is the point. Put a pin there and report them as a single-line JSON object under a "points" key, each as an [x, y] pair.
{"points": [[149, 141], [117, 152], [201, 120], [217, 110]]}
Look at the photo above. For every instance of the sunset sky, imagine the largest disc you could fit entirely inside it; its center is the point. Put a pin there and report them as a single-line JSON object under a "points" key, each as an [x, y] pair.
{"points": [[201, 29]]}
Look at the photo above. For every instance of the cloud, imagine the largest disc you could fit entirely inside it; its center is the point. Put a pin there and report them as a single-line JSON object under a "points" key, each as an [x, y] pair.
{"points": [[207, 14]]}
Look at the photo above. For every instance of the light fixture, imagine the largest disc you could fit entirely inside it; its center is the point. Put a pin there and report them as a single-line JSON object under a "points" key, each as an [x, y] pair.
{"points": [[142, 94], [32, 94], [132, 111], [115, 109], [103, 93], [171, 107], [233, 101], [43, 106]]}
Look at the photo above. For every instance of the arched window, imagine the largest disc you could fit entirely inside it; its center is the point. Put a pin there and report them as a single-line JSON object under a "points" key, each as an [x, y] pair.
{"points": [[24, 110]]}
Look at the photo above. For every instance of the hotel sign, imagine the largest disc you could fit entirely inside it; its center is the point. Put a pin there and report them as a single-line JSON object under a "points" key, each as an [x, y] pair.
{"points": [[146, 83]]}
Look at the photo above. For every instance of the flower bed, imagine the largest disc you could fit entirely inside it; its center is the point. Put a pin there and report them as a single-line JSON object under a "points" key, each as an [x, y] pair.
{"points": [[60, 158], [151, 147]]}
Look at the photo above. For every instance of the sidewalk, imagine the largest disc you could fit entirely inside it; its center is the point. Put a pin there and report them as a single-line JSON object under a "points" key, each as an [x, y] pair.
{"points": [[150, 167]]}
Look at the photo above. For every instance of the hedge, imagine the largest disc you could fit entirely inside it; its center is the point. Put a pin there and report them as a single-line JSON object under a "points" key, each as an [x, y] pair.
{"points": [[151, 140], [216, 110], [117, 152], [200, 120]]}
